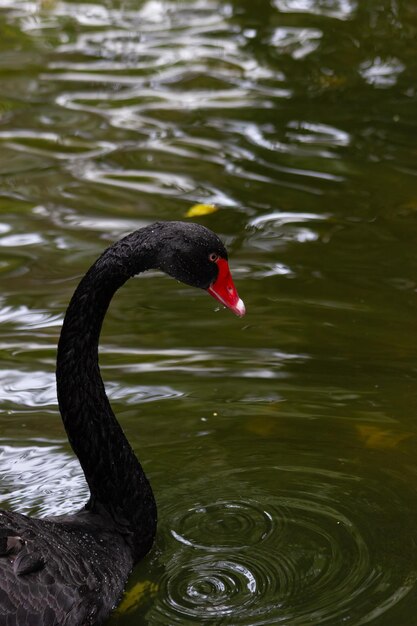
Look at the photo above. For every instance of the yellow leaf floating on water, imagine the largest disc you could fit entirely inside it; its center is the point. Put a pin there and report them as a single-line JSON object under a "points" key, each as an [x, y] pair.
{"points": [[135, 596], [374, 437], [201, 209]]}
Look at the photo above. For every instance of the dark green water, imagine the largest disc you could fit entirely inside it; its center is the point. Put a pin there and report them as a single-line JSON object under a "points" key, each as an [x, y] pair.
{"points": [[282, 447]]}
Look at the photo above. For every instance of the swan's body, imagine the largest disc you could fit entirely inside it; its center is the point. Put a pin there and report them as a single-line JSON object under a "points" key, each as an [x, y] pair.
{"points": [[71, 570]]}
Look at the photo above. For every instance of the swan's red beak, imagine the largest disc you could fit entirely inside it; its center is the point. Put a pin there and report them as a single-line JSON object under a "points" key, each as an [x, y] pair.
{"points": [[224, 290]]}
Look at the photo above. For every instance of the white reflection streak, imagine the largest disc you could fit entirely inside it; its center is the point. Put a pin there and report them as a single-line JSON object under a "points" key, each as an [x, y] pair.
{"points": [[27, 389], [380, 73], [29, 318], [340, 9], [152, 181], [282, 218], [319, 133], [22, 239], [298, 42], [255, 135]]}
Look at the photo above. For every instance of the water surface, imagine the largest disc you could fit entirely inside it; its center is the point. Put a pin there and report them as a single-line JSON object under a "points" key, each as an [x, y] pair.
{"points": [[282, 446]]}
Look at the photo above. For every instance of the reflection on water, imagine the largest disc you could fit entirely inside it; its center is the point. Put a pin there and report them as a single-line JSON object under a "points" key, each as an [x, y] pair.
{"points": [[340, 9], [281, 447], [41, 478]]}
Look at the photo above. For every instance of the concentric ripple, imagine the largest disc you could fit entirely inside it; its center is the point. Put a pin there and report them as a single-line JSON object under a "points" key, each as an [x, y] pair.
{"points": [[219, 587], [293, 553], [223, 524]]}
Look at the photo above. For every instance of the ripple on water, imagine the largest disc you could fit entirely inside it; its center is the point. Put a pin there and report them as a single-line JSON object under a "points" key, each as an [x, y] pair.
{"points": [[381, 73], [298, 42], [209, 588], [149, 78], [25, 318], [296, 551], [41, 479], [242, 523], [339, 9], [276, 229]]}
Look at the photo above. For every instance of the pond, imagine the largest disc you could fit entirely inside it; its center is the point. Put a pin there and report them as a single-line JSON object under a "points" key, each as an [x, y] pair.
{"points": [[281, 446]]}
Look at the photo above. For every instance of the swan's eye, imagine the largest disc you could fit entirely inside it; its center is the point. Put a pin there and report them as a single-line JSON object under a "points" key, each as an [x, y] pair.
{"points": [[213, 257]]}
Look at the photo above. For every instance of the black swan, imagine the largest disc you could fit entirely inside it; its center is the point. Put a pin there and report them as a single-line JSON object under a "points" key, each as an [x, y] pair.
{"points": [[71, 570]]}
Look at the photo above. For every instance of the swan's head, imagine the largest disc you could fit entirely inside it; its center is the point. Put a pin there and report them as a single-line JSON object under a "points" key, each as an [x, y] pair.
{"points": [[195, 255]]}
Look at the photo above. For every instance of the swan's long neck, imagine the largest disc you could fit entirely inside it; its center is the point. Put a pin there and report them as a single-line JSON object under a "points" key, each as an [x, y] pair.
{"points": [[115, 477]]}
